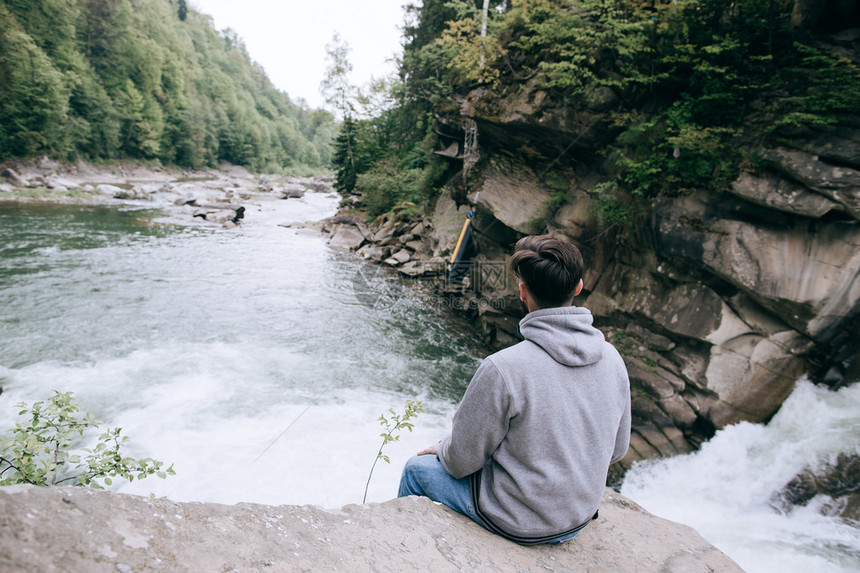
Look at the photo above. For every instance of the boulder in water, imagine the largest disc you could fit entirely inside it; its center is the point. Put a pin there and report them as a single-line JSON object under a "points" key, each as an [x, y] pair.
{"points": [[346, 237], [293, 191], [839, 482]]}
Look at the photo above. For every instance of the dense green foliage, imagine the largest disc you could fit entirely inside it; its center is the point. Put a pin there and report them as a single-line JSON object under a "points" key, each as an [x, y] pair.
{"points": [[40, 451], [144, 79], [384, 148], [692, 84]]}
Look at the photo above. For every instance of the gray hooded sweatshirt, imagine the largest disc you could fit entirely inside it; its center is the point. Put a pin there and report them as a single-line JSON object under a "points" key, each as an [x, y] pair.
{"points": [[539, 425]]}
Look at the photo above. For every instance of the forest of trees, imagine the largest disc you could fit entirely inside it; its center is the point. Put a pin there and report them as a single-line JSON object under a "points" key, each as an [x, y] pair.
{"points": [[148, 80], [153, 80], [705, 76]]}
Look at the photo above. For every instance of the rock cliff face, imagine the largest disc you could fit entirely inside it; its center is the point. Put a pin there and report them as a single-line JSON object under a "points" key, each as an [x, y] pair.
{"points": [[733, 297], [726, 299], [77, 529]]}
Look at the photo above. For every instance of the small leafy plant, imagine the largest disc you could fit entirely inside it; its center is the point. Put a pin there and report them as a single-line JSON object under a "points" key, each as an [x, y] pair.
{"points": [[39, 452], [391, 426]]}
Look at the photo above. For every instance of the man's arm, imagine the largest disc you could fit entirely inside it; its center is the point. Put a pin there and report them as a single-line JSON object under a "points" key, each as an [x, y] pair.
{"points": [[479, 425], [622, 438]]}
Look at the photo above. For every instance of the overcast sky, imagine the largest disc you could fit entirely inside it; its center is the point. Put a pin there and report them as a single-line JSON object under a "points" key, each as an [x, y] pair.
{"points": [[288, 37]]}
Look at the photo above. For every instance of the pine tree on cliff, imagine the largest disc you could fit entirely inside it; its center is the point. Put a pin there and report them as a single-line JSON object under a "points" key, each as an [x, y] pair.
{"points": [[344, 156], [183, 10], [341, 95]]}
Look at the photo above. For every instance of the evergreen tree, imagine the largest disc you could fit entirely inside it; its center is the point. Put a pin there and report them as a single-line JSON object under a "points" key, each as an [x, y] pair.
{"points": [[33, 98], [105, 79], [344, 157]]}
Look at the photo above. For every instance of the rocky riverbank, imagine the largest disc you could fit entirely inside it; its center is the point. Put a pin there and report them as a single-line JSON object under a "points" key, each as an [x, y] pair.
{"points": [[200, 196], [78, 529]]}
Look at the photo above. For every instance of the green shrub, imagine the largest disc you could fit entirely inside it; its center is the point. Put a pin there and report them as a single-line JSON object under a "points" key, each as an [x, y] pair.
{"points": [[826, 86], [40, 453], [386, 185]]}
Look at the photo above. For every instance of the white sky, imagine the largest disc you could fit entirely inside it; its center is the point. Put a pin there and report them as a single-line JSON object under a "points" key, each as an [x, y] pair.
{"points": [[288, 37]]}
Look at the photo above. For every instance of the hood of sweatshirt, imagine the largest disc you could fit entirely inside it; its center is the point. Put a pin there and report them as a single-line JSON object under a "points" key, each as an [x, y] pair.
{"points": [[565, 333]]}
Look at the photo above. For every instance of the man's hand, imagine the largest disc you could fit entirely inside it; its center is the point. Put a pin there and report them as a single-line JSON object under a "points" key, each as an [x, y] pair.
{"points": [[429, 450]]}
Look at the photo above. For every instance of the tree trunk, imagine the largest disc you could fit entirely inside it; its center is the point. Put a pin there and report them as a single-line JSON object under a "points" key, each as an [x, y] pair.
{"points": [[484, 28]]}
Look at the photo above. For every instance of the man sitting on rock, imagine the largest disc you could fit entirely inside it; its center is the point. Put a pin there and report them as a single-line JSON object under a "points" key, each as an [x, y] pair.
{"points": [[541, 421]]}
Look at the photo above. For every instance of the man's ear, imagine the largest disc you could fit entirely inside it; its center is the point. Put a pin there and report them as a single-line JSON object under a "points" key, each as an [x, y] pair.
{"points": [[523, 291], [578, 288]]}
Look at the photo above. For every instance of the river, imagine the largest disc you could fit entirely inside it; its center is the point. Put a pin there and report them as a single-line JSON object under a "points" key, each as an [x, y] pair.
{"points": [[210, 347], [258, 361]]}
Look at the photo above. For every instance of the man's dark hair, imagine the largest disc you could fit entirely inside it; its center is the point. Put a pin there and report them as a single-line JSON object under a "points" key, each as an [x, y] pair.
{"points": [[550, 266]]}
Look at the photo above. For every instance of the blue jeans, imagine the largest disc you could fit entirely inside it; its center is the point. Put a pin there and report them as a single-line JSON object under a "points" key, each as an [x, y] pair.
{"points": [[425, 476]]}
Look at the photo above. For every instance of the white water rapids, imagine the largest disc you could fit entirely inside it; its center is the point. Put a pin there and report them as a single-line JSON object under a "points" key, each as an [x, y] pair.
{"points": [[210, 347], [725, 489]]}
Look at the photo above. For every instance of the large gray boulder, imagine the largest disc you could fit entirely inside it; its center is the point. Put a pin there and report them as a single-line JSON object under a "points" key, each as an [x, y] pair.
{"points": [[514, 198], [783, 195], [809, 280], [837, 182], [110, 190], [346, 237], [836, 144], [77, 529], [448, 221]]}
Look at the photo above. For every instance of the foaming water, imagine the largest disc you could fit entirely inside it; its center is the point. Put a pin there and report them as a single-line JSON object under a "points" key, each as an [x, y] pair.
{"points": [[726, 489], [241, 356]]}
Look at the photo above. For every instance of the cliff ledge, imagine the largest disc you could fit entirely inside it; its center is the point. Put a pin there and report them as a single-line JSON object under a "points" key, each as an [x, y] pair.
{"points": [[77, 529]]}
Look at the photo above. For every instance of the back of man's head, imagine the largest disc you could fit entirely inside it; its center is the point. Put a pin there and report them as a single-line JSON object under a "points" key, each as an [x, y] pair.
{"points": [[550, 267]]}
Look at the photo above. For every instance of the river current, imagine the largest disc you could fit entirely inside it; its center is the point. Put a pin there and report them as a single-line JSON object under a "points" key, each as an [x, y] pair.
{"points": [[243, 356], [258, 361]]}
